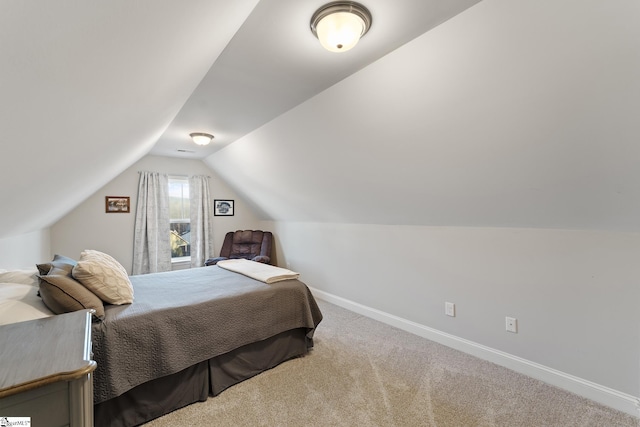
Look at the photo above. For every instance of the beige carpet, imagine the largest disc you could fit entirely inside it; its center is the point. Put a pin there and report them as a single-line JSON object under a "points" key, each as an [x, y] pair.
{"points": [[365, 373]]}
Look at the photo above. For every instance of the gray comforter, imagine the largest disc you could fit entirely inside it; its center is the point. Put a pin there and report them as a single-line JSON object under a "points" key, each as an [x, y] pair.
{"points": [[180, 318]]}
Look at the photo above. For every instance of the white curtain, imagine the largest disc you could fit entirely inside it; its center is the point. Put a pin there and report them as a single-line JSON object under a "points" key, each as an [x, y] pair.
{"points": [[152, 246], [201, 210]]}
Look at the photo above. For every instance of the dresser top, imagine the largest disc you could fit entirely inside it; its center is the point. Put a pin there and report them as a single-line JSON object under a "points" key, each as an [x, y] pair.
{"points": [[43, 351]]}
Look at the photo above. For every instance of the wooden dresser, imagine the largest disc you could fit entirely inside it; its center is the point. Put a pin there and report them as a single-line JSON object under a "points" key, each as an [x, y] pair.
{"points": [[46, 370]]}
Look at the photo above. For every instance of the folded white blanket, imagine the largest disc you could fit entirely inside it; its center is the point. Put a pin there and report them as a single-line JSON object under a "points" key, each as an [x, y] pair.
{"points": [[256, 270]]}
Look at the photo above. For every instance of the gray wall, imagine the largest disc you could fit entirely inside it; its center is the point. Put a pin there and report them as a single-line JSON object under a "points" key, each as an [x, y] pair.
{"points": [[89, 227], [575, 293]]}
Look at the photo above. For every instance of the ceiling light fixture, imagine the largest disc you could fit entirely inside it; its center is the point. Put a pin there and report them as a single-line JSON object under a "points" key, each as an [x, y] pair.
{"points": [[201, 138], [340, 24]]}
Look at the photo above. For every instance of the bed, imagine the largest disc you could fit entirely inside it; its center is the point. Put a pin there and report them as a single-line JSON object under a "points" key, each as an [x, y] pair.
{"points": [[190, 334]]}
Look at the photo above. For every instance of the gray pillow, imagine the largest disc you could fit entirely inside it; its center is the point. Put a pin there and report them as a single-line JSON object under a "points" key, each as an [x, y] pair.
{"points": [[59, 261], [61, 293]]}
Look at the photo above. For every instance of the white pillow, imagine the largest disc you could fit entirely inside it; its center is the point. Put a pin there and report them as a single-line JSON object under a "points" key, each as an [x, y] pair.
{"points": [[104, 276], [20, 302], [25, 277]]}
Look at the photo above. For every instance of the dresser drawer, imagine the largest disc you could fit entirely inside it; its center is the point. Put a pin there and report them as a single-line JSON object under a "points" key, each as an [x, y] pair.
{"points": [[47, 406]]}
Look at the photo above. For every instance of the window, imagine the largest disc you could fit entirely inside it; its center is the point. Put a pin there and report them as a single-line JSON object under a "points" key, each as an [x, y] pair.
{"points": [[180, 222]]}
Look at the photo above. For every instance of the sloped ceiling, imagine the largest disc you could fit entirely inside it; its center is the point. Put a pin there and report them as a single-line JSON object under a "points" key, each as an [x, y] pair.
{"points": [[502, 114], [88, 88], [511, 114], [274, 63]]}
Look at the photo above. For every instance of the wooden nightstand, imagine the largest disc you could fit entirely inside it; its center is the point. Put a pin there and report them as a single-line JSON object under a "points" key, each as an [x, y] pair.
{"points": [[46, 370]]}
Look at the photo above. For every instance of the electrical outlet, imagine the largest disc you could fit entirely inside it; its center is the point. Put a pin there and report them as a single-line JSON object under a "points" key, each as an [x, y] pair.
{"points": [[512, 324], [450, 309]]}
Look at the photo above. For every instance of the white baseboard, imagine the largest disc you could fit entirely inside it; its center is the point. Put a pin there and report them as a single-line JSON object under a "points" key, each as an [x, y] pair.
{"points": [[590, 390]]}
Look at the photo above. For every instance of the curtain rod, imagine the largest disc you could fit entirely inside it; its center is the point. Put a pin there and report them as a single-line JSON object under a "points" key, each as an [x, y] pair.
{"points": [[175, 174]]}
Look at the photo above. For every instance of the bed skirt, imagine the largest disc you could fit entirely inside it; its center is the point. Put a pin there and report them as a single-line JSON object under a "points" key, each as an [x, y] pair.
{"points": [[194, 384]]}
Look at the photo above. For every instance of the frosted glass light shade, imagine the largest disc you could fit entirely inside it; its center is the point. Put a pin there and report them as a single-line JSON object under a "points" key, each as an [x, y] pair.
{"points": [[201, 138], [340, 25], [340, 31]]}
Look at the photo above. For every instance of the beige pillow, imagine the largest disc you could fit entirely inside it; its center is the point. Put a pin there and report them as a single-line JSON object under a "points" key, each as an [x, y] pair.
{"points": [[62, 294], [104, 276]]}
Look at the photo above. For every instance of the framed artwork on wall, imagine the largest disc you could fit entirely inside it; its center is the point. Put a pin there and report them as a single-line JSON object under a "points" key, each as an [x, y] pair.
{"points": [[117, 204], [223, 207]]}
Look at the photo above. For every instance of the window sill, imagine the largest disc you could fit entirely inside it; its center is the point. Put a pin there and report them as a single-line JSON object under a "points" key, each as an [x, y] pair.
{"points": [[181, 263]]}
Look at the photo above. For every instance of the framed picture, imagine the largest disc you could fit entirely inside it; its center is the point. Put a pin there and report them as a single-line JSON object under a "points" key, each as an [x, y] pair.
{"points": [[223, 207], [117, 204]]}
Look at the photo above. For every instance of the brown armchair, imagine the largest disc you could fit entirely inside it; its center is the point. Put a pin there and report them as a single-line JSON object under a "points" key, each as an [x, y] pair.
{"points": [[254, 245]]}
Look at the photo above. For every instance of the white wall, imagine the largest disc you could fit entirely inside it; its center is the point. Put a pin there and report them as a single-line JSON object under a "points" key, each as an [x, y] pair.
{"points": [[575, 293], [25, 251], [89, 227]]}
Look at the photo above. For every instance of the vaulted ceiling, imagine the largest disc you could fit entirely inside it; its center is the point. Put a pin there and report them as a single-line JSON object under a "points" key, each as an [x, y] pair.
{"points": [[448, 112], [510, 114], [88, 88], [274, 63]]}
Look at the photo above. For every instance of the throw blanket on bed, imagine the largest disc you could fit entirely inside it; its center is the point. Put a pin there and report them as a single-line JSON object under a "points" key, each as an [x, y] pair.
{"points": [[256, 270], [184, 317]]}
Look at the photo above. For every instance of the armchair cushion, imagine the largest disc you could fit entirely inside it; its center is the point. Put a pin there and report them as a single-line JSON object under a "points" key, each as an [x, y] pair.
{"points": [[253, 245], [261, 258]]}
